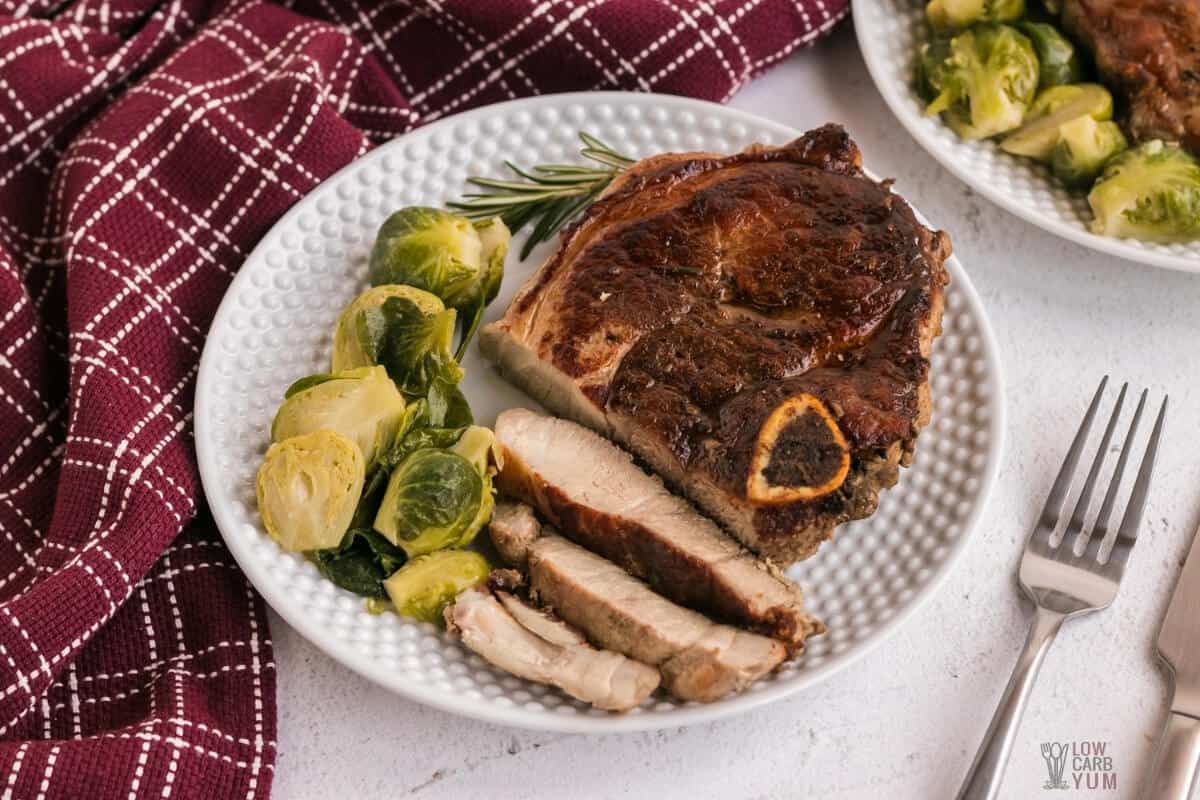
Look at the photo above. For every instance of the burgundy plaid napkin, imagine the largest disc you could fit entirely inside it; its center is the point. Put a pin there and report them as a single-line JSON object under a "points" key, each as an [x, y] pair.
{"points": [[145, 146]]}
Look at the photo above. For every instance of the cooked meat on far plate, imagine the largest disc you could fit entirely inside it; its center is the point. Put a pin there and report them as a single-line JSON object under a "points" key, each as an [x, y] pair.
{"points": [[756, 327], [1148, 52]]}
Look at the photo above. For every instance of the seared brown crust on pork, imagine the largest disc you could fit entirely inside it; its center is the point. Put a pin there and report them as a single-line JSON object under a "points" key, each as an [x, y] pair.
{"points": [[703, 291], [1148, 53]]}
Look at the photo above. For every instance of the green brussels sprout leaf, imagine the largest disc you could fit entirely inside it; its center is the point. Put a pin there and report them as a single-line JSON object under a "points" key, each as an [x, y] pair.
{"points": [[412, 345], [307, 382], [448, 406], [361, 563], [358, 333], [372, 493], [432, 502], [425, 439]]}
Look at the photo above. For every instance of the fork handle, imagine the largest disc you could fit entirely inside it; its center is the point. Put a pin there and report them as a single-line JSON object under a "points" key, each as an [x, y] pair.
{"points": [[1173, 776], [983, 781]]}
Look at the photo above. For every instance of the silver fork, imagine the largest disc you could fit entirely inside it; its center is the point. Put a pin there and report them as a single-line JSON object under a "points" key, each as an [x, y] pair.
{"points": [[1062, 584]]}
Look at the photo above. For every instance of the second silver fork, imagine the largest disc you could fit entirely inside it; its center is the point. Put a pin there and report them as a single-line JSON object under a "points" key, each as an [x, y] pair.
{"points": [[1061, 583]]}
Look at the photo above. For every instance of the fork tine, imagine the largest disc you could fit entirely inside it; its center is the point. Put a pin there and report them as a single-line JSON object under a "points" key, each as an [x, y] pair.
{"points": [[1048, 520], [1075, 527], [1100, 529], [1127, 534]]}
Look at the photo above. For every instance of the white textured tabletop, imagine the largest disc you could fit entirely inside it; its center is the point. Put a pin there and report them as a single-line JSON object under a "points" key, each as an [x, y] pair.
{"points": [[904, 721]]}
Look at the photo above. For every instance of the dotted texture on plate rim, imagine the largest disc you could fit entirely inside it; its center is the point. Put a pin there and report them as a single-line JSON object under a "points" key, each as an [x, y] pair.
{"points": [[276, 325]]}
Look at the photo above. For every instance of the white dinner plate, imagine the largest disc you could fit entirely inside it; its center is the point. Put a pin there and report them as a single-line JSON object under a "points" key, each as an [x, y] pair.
{"points": [[890, 32], [275, 325]]}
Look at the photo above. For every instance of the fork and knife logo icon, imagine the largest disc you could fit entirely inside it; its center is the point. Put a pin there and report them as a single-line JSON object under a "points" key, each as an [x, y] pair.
{"points": [[1055, 755]]}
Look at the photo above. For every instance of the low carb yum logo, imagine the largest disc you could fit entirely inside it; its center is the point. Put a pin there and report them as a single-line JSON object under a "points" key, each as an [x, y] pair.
{"points": [[1082, 765], [1055, 756]]}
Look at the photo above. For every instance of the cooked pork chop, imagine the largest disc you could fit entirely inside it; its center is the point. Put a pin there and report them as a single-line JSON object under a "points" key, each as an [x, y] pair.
{"points": [[1148, 52], [521, 640], [756, 327], [699, 659], [591, 491]]}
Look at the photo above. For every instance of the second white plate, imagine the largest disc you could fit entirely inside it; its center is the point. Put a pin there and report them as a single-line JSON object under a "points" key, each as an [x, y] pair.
{"points": [[275, 324], [890, 32]]}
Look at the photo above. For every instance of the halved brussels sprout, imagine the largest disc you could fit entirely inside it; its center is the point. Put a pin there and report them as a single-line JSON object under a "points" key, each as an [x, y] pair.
{"points": [[981, 81], [410, 335], [1058, 63], [948, 15], [308, 487], [1151, 192], [432, 502], [478, 446], [1084, 146], [1037, 137], [442, 253], [495, 237], [423, 587], [355, 339], [361, 404]]}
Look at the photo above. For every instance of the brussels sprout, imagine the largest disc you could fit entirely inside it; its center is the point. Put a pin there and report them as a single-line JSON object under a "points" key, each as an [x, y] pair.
{"points": [[361, 562], [448, 406], [1058, 63], [1151, 192], [981, 81], [307, 489], [355, 340], [442, 253], [412, 345], [1084, 146], [949, 15], [423, 587], [425, 439], [1058, 104], [361, 404], [478, 446], [432, 502], [495, 237]]}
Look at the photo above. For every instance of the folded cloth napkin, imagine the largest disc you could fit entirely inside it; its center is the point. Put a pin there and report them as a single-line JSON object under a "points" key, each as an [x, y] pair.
{"points": [[145, 146]]}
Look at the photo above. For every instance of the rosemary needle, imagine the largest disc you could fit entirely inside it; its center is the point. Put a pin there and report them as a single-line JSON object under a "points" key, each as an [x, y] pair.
{"points": [[546, 195]]}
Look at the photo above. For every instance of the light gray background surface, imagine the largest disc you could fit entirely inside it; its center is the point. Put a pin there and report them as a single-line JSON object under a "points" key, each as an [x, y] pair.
{"points": [[904, 721]]}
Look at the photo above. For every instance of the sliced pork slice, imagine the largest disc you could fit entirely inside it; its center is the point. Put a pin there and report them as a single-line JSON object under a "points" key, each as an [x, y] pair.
{"points": [[591, 490], [541, 622], [604, 679], [514, 529], [699, 659]]}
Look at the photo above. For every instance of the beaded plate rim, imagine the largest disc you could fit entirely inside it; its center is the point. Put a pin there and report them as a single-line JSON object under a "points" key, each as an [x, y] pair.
{"points": [[241, 538]]}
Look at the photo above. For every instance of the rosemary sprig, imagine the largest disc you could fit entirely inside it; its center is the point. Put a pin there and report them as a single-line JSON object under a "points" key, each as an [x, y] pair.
{"points": [[547, 195]]}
